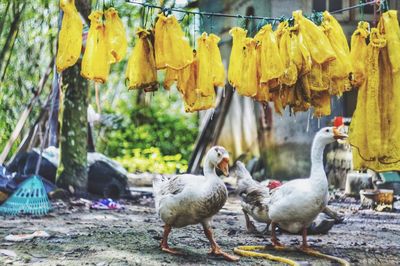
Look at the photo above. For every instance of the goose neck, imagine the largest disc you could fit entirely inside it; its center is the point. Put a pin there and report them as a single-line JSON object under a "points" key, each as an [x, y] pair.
{"points": [[317, 154], [209, 168]]}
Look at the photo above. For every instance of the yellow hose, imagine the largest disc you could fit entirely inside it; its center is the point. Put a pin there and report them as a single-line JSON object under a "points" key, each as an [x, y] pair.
{"points": [[251, 251], [329, 257], [248, 251]]}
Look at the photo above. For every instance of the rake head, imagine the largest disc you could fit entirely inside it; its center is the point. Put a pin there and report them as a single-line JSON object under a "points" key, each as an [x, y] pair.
{"points": [[29, 198]]}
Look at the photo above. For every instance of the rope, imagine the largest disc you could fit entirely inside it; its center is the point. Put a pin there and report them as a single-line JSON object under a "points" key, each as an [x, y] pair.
{"points": [[251, 251], [217, 14]]}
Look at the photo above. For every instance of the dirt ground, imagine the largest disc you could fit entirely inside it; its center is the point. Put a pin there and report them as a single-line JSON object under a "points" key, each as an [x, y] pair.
{"points": [[80, 236]]}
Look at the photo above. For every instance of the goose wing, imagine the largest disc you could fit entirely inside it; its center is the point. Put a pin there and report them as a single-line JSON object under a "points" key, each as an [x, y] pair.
{"points": [[167, 186]]}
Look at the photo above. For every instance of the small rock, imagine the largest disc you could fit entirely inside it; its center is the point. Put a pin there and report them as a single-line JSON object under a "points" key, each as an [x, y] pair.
{"points": [[8, 253], [232, 232]]}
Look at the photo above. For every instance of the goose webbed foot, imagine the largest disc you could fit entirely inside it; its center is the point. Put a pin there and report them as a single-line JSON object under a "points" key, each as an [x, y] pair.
{"points": [[215, 249], [164, 242], [171, 250]]}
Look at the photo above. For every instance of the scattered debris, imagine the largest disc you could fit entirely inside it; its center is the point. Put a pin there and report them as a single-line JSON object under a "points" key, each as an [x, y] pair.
{"points": [[106, 204], [23, 237], [81, 202], [379, 200]]}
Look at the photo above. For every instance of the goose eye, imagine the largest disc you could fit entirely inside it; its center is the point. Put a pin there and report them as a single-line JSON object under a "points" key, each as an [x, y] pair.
{"points": [[327, 130], [218, 154]]}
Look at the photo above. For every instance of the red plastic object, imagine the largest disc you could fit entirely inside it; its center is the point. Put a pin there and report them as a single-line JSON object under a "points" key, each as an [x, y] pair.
{"points": [[338, 121]]}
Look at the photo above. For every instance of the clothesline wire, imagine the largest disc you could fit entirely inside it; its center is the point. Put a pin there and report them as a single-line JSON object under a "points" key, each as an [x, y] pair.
{"points": [[354, 7], [217, 14]]}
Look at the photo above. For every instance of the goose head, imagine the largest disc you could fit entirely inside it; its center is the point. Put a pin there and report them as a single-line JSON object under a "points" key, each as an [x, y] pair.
{"points": [[328, 135], [218, 157]]}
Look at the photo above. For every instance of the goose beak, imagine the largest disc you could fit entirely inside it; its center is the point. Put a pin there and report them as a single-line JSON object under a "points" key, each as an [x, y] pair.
{"points": [[224, 166], [338, 135]]}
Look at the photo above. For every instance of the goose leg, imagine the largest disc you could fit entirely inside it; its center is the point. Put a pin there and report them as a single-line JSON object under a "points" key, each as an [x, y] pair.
{"points": [[249, 224], [215, 249], [274, 240], [304, 247], [164, 242]]}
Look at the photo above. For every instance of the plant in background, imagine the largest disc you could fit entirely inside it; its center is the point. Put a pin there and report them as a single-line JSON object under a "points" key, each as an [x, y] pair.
{"points": [[151, 160], [158, 137]]}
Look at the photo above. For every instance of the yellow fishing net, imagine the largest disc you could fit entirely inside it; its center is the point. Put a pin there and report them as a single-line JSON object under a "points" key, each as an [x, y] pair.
{"points": [[339, 70], [236, 58], [315, 40], [358, 53], [277, 100], [271, 64], [389, 27], [70, 38], [262, 94], [205, 75], [375, 126], [389, 158], [301, 98], [321, 101], [287, 54], [280, 30], [218, 72], [300, 54], [188, 86], [159, 40], [96, 59], [172, 49], [249, 84], [171, 76], [314, 80], [116, 35], [141, 70]]}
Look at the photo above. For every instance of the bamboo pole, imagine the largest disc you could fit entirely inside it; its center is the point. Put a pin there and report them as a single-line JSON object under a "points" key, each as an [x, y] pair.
{"points": [[25, 114]]}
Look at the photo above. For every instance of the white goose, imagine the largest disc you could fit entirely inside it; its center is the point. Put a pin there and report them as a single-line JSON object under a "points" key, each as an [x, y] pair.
{"points": [[294, 205], [190, 199]]}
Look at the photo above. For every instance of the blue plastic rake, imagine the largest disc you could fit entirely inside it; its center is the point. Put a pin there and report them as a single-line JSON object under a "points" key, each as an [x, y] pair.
{"points": [[29, 198]]}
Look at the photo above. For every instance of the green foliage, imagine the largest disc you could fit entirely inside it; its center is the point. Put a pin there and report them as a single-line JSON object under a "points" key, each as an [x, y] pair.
{"points": [[151, 160], [155, 131]]}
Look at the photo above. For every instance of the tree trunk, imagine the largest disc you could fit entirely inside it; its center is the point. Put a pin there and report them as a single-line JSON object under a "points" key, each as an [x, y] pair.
{"points": [[72, 170]]}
